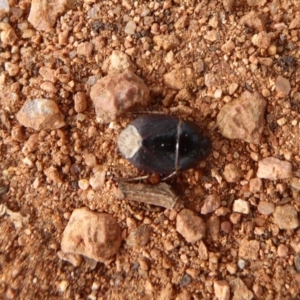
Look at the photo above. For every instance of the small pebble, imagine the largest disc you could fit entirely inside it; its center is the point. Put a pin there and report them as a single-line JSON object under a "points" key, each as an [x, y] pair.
{"points": [[83, 184], [226, 227], [211, 203], [249, 249], [241, 264], [179, 78], [202, 251], [85, 49], [283, 86], [273, 169], [232, 88], [97, 180], [130, 28], [40, 114], [222, 289], [139, 237], [241, 206], [232, 173], [243, 118], [255, 185], [117, 93], [166, 42], [282, 250], [118, 62], [261, 40], [239, 290], [92, 234], [43, 15], [190, 226], [4, 6], [80, 102], [286, 217], [253, 20], [265, 208]]}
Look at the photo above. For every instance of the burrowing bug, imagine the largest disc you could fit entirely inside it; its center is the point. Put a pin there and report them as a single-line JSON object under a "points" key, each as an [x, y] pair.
{"points": [[163, 144]]}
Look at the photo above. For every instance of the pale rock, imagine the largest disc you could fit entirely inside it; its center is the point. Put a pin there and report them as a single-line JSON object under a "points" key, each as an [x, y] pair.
{"points": [[40, 114], [265, 208], [241, 264], [228, 46], [232, 88], [83, 184], [240, 290], [31, 145], [262, 40], [286, 217], [97, 180], [253, 20], [283, 87], [241, 206], [231, 268], [249, 249], [222, 289], [282, 250], [212, 35], [202, 251], [265, 61], [118, 62], [243, 118], [43, 14], [295, 23], [90, 159], [211, 203], [130, 28], [8, 35], [85, 49], [272, 168], [115, 94], [255, 185], [9, 101], [258, 290], [94, 235], [80, 102], [182, 22], [295, 183], [232, 173], [211, 80], [179, 78], [139, 237], [4, 6], [49, 87], [281, 121], [53, 175], [12, 69], [166, 42], [190, 226], [213, 227], [48, 74]]}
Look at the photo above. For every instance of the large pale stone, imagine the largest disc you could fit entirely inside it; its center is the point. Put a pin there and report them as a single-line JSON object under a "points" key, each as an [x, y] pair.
{"points": [[40, 114], [243, 118], [94, 235]]}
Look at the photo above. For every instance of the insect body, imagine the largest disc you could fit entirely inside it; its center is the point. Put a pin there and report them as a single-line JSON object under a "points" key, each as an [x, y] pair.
{"points": [[163, 144]]}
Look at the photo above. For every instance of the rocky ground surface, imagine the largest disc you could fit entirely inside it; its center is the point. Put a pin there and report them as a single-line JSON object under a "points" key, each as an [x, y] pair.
{"points": [[73, 73]]}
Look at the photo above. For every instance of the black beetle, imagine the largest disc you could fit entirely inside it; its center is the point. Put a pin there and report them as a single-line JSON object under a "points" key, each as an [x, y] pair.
{"points": [[163, 144]]}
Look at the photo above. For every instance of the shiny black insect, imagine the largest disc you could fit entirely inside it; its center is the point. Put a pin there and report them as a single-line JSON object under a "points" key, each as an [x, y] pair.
{"points": [[163, 144]]}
